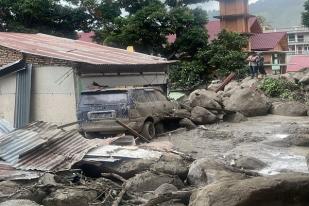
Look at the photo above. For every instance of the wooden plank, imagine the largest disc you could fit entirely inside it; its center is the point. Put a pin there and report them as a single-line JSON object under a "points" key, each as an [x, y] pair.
{"points": [[132, 131]]}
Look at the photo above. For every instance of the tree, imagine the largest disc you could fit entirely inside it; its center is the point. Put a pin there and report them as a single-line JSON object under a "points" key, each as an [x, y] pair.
{"points": [[305, 14], [46, 16], [226, 53], [146, 30], [264, 23]]}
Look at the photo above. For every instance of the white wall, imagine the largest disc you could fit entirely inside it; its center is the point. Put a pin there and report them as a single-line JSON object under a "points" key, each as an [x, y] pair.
{"points": [[53, 95], [7, 97], [124, 80]]}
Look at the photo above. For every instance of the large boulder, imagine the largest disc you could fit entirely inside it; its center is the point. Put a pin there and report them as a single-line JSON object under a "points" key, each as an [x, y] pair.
{"points": [[248, 102], [289, 109], [187, 123], [182, 113], [201, 116], [19, 203], [149, 181], [173, 165], [205, 171], [234, 117], [205, 98], [249, 163], [283, 190], [70, 197], [307, 160], [304, 80], [249, 83]]}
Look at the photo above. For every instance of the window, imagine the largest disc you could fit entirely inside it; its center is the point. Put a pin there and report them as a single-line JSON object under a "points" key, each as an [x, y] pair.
{"points": [[291, 37], [300, 38], [292, 48]]}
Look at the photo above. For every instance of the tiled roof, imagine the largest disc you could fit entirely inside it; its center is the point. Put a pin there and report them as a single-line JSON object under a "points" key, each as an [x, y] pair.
{"points": [[298, 62], [214, 27], [266, 41], [86, 36], [75, 50]]}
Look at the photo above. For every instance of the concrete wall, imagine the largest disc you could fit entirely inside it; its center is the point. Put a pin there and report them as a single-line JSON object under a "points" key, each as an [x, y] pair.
{"points": [[115, 80], [53, 95], [7, 97]]}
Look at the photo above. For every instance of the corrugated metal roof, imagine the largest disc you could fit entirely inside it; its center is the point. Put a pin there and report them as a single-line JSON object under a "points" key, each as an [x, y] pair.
{"points": [[7, 172], [297, 63], [5, 127], [41, 146], [74, 50], [266, 41]]}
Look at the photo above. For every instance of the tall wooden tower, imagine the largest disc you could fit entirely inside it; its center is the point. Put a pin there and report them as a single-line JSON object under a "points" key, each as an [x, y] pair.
{"points": [[234, 15]]}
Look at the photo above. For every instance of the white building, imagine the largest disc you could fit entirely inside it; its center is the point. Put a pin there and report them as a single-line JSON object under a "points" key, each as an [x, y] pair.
{"points": [[298, 38]]}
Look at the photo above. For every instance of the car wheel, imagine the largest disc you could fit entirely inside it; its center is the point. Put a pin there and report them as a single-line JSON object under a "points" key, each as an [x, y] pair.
{"points": [[149, 131]]}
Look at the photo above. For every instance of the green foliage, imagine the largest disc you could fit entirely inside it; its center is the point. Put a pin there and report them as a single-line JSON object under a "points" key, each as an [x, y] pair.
{"points": [[146, 30], [187, 74], [281, 88], [225, 54], [46, 16], [305, 14]]}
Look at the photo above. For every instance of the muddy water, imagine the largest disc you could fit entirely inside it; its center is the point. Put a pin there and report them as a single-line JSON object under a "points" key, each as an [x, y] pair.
{"points": [[227, 141]]}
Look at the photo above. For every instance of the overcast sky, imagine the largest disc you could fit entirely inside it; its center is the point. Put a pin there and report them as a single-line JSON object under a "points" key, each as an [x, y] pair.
{"points": [[214, 5]]}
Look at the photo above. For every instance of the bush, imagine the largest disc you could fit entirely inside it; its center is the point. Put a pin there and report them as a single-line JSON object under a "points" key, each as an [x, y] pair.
{"points": [[281, 88]]}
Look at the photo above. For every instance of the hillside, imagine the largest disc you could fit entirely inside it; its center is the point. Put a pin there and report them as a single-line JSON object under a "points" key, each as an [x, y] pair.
{"points": [[279, 13]]}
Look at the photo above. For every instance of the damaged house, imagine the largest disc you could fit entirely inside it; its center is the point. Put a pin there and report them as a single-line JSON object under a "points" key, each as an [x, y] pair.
{"points": [[41, 76]]}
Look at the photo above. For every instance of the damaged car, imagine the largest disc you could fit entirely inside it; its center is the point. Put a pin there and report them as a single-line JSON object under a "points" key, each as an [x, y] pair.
{"points": [[141, 109]]}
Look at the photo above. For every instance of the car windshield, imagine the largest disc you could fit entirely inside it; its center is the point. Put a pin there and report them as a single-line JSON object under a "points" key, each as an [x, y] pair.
{"points": [[103, 98]]}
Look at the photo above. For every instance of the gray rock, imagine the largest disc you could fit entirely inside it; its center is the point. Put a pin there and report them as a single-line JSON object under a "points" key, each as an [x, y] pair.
{"points": [[205, 98], [173, 165], [307, 160], [19, 203], [149, 181], [234, 117], [187, 123], [231, 86], [127, 168], [250, 163], [267, 191], [165, 188], [70, 197], [248, 102], [200, 116], [47, 180], [205, 171], [289, 109], [249, 83], [14, 191], [182, 113], [304, 80]]}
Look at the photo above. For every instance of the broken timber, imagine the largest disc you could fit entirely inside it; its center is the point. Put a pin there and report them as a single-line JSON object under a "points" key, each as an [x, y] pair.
{"points": [[132, 131]]}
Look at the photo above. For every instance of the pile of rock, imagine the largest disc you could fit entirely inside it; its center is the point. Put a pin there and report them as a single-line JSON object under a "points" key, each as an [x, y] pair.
{"points": [[238, 101]]}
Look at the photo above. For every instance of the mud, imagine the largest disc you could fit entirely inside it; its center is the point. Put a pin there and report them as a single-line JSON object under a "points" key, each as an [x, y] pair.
{"points": [[229, 141]]}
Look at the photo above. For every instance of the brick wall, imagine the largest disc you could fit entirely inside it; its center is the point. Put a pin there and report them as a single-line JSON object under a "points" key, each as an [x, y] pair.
{"points": [[9, 56], [46, 61]]}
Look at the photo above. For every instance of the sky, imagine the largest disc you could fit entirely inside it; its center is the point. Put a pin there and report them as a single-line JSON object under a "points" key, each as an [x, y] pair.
{"points": [[213, 5]]}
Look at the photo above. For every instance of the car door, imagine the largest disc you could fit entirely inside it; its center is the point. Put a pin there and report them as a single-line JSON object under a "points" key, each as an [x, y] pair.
{"points": [[142, 106]]}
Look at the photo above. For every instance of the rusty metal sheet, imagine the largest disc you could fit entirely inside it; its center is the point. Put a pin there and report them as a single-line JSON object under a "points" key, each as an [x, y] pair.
{"points": [[41, 146], [75, 50], [7, 172]]}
